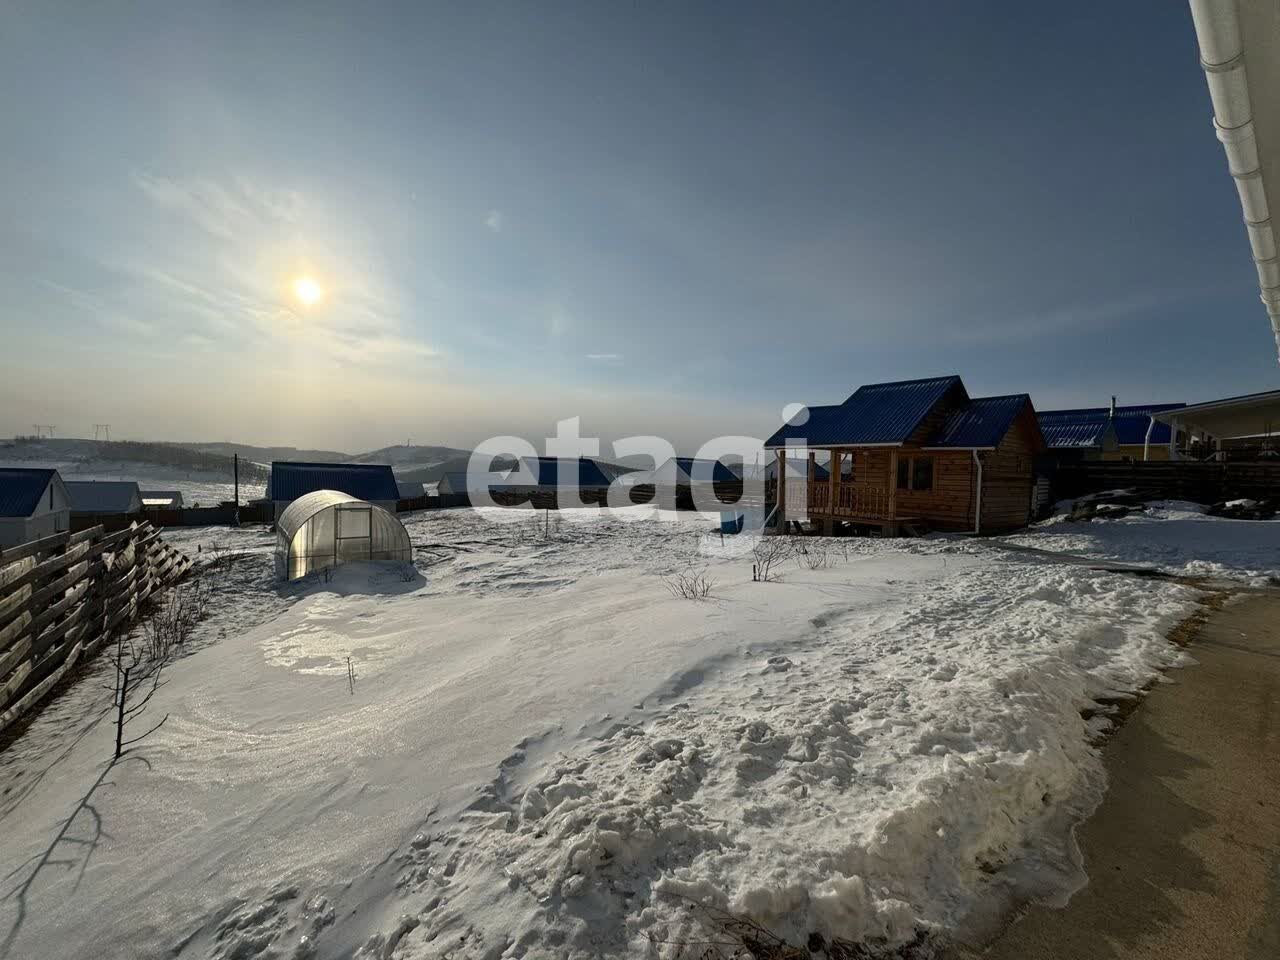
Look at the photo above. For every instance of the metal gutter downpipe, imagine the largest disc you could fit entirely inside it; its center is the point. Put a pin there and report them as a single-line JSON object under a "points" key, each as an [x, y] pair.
{"points": [[977, 505], [1222, 58], [1146, 443]]}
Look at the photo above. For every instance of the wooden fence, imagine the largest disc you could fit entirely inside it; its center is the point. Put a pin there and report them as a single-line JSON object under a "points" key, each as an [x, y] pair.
{"points": [[222, 515], [62, 597], [1171, 480]]}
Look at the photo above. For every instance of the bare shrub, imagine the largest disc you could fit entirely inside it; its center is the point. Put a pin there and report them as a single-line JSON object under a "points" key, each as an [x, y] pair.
{"points": [[137, 680], [174, 616], [542, 525], [690, 585], [814, 553], [768, 553], [221, 559]]}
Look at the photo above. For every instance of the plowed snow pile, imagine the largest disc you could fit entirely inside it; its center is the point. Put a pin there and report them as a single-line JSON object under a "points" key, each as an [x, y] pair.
{"points": [[547, 754], [1172, 535]]}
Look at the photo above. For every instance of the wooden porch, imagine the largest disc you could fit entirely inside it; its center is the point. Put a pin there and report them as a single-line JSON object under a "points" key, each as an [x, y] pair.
{"points": [[852, 492], [842, 501]]}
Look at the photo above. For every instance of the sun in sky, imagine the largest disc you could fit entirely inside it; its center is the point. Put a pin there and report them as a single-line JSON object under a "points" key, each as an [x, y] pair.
{"points": [[307, 291]]}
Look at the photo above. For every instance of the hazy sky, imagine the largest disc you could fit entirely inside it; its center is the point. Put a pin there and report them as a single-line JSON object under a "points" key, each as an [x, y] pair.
{"points": [[661, 217]]}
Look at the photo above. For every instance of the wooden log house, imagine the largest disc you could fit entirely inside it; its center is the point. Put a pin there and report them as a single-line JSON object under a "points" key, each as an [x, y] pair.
{"points": [[914, 455]]}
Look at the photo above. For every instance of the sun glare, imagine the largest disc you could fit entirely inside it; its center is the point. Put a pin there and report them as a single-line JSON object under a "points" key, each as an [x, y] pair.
{"points": [[307, 291]]}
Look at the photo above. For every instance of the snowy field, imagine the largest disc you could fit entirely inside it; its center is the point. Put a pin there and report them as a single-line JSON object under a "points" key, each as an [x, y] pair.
{"points": [[546, 754]]}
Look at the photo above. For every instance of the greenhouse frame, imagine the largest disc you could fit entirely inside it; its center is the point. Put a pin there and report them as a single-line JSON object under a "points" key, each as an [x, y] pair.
{"points": [[326, 528]]}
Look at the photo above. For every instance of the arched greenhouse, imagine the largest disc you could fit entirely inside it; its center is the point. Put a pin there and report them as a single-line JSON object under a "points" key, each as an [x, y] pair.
{"points": [[325, 528]]}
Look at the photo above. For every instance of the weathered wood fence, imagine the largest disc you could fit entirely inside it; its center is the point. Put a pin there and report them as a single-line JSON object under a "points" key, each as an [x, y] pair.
{"points": [[62, 597], [224, 514], [1172, 480]]}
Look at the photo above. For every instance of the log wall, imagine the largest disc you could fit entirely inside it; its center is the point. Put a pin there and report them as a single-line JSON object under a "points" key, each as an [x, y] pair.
{"points": [[1008, 478]]}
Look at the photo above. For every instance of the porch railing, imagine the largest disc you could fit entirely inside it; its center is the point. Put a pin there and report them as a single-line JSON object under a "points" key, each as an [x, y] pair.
{"points": [[857, 500]]}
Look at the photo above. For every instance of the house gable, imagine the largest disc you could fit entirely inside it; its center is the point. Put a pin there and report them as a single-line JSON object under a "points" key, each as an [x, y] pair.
{"points": [[877, 414]]}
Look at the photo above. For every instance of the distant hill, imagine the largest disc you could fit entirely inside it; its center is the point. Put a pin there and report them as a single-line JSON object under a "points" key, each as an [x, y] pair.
{"points": [[416, 463], [265, 454], [411, 457], [85, 454]]}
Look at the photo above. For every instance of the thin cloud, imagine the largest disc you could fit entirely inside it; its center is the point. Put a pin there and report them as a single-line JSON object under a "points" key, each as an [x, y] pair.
{"points": [[229, 287], [494, 221], [222, 209], [604, 356]]}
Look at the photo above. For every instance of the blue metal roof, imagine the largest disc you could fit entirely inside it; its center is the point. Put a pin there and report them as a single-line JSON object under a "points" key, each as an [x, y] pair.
{"points": [[104, 496], [1087, 434], [20, 490], [547, 470], [365, 481], [982, 422], [878, 413], [796, 468], [1086, 426], [1132, 422], [720, 472]]}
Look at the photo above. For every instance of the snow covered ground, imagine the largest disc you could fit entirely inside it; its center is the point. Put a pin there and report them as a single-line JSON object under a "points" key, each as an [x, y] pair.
{"points": [[547, 754], [1171, 535]]}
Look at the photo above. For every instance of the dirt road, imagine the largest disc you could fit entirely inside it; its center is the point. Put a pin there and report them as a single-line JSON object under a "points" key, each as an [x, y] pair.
{"points": [[1183, 855]]}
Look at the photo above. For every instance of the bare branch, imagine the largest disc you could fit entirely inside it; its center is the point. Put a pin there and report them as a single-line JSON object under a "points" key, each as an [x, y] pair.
{"points": [[143, 736]]}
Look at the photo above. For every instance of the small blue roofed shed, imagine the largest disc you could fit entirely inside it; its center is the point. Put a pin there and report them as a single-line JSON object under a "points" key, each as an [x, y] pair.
{"points": [[546, 473], [33, 503], [691, 469], [104, 497], [21, 489], [372, 482]]}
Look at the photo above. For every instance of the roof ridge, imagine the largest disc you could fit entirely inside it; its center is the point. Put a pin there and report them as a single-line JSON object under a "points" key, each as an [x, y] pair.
{"points": [[323, 463], [904, 383]]}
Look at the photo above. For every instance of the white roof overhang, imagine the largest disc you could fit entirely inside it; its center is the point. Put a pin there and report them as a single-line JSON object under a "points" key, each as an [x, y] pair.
{"points": [[1247, 416], [1240, 53]]}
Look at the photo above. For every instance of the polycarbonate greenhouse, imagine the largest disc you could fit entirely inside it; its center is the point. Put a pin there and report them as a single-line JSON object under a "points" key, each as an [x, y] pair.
{"points": [[326, 528]]}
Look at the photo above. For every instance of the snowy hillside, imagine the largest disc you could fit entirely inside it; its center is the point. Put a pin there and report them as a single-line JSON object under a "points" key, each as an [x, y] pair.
{"points": [[547, 754], [265, 454], [411, 456]]}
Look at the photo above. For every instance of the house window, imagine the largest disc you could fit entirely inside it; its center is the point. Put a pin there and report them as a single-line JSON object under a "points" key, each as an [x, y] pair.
{"points": [[922, 473], [915, 473]]}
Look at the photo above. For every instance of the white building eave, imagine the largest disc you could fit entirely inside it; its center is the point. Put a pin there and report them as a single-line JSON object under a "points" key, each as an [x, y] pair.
{"points": [[1240, 54]]}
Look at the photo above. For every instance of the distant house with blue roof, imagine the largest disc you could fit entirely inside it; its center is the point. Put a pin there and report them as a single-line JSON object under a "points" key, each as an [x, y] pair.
{"points": [[91, 499], [684, 472], [914, 453], [688, 482], [372, 482], [34, 503], [549, 474], [1108, 433]]}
